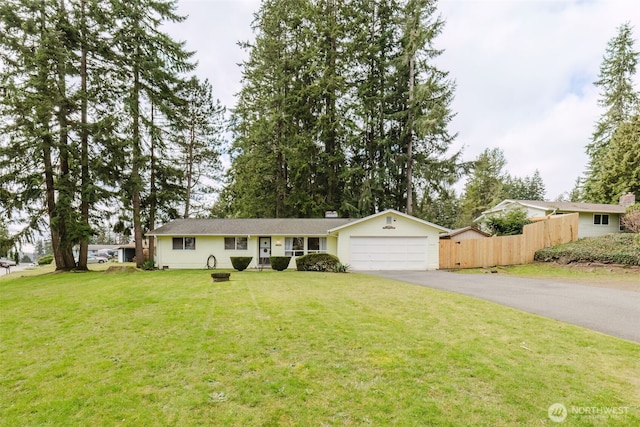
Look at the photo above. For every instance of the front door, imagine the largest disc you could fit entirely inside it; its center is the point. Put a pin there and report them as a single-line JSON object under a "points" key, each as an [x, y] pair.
{"points": [[264, 256]]}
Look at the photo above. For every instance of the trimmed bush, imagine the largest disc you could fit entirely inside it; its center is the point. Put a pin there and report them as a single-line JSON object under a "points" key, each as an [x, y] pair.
{"points": [[240, 262], [317, 262], [45, 260], [280, 263]]}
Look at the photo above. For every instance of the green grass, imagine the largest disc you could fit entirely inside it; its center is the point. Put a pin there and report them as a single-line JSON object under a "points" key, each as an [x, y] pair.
{"points": [[573, 273], [292, 348]]}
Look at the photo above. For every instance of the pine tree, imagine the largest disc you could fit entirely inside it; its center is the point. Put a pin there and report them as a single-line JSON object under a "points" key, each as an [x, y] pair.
{"points": [[372, 45], [620, 101], [276, 169], [199, 138], [37, 55], [527, 188], [621, 163], [152, 61], [485, 187]]}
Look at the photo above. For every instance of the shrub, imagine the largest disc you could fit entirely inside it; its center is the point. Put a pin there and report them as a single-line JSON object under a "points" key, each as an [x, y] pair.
{"points": [[508, 224], [317, 262], [631, 219], [240, 262], [45, 260], [608, 249], [341, 268], [148, 265], [280, 263]]}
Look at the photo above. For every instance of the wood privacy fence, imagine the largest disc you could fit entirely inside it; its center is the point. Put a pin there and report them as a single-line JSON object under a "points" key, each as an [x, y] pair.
{"points": [[509, 250]]}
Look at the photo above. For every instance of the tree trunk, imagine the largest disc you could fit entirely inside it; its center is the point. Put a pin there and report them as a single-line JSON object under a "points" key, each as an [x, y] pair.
{"points": [[84, 140], [191, 142], [410, 136], [135, 170], [153, 204]]}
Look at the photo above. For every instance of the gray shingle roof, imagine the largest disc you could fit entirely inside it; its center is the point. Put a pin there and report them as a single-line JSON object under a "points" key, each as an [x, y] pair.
{"points": [[249, 226], [575, 207]]}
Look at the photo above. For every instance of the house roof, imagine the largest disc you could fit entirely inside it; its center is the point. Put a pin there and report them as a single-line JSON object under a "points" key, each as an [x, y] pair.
{"points": [[387, 212], [561, 206], [575, 206], [249, 226], [458, 231], [98, 247]]}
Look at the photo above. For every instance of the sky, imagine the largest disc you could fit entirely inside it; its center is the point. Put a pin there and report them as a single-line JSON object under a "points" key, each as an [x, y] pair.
{"points": [[524, 72]]}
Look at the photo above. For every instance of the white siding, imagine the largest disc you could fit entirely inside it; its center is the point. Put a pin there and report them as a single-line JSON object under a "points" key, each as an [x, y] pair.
{"points": [[167, 257], [586, 227], [400, 226]]}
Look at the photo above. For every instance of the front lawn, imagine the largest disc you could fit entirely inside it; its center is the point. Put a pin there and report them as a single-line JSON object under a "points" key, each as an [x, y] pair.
{"points": [[293, 348]]}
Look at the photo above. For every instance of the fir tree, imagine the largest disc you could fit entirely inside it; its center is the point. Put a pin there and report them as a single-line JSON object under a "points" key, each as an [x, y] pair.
{"points": [[619, 99]]}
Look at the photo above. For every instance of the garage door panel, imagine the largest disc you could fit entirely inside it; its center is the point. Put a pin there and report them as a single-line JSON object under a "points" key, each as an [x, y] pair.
{"points": [[388, 253]]}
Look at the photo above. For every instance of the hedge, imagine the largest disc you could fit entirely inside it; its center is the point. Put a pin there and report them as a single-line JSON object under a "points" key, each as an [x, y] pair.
{"points": [[623, 248], [45, 260]]}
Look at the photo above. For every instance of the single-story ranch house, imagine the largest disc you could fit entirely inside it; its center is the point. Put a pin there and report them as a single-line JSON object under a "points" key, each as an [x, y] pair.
{"points": [[594, 219], [388, 240]]}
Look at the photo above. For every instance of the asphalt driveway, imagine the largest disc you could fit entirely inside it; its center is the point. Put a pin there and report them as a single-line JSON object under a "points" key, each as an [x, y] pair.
{"points": [[611, 311]]}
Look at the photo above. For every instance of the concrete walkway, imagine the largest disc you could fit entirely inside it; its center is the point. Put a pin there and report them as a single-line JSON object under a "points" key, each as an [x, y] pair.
{"points": [[611, 311]]}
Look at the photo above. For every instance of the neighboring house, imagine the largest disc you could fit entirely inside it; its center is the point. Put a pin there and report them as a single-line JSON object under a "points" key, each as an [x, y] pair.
{"points": [[388, 240], [466, 233], [594, 219], [127, 252]]}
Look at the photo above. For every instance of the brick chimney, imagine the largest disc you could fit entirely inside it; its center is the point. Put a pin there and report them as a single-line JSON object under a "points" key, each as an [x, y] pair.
{"points": [[627, 200]]}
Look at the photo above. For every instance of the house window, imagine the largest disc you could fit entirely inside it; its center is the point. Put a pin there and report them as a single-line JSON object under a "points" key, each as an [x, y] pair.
{"points": [[235, 243], [601, 219], [184, 243], [294, 246], [316, 245]]}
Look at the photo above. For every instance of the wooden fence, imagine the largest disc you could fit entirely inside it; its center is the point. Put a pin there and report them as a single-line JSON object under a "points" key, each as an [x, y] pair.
{"points": [[509, 250]]}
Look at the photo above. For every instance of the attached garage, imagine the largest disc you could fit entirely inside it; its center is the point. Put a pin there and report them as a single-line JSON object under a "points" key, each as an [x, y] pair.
{"points": [[389, 253], [388, 240]]}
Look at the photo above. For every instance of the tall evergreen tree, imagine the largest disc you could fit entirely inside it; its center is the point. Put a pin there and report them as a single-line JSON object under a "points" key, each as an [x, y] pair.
{"points": [[484, 188], [38, 53], [198, 135], [428, 97], [620, 100], [77, 132], [527, 188], [372, 44], [341, 108], [153, 62], [621, 163], [276, 168]]}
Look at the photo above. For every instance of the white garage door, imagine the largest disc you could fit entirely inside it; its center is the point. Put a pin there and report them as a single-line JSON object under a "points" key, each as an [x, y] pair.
{"points": [[388, 253]]}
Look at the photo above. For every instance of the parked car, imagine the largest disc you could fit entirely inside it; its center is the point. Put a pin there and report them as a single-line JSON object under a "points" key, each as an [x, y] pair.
{"points": [[6, 262], [107, 253], [96, 259]]}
